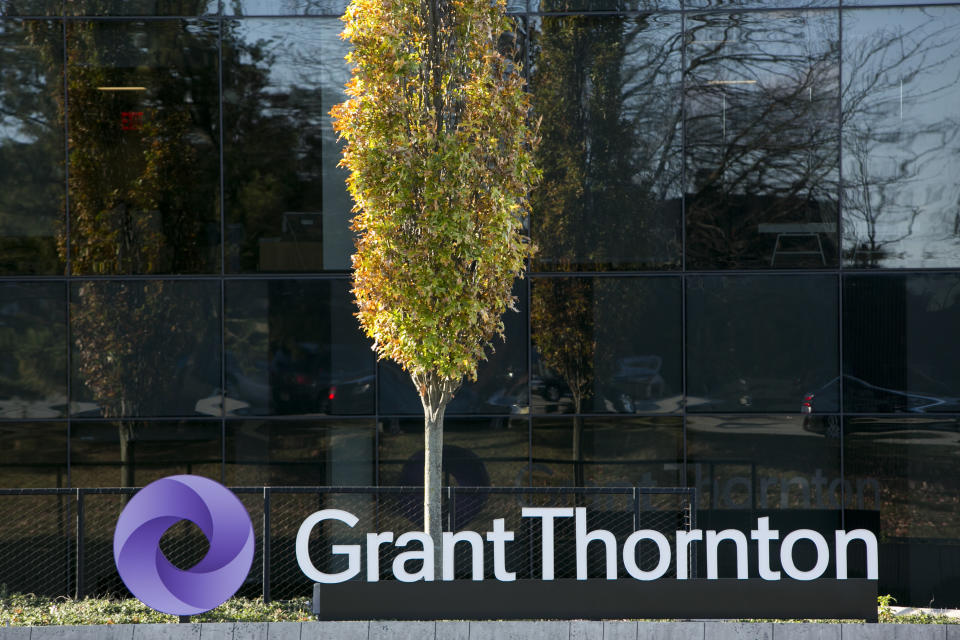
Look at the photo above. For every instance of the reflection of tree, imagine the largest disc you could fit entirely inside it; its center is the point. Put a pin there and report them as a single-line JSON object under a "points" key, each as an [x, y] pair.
{"points": [[606, 165], [31, 146], [893, 150], [761, 98]]}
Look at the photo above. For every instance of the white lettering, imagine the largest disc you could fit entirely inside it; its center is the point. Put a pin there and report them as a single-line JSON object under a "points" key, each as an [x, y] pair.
{"points": [[584, 538], [843, 538], [684, 538], [498, 537], [713, 541], [352, 551], [547, 514], [425, 554], [630, 554], [476, 547], [763, 535], [786, 554]]}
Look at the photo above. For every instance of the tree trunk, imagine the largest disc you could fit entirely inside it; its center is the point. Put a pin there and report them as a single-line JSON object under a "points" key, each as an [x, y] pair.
{"points": [[127, 458], [433, 479], [577, 441]]}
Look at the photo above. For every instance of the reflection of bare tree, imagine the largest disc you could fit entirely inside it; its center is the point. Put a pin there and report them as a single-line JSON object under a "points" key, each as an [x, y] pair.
{"points": [[762, 135], [899, 125], [607, 153]]}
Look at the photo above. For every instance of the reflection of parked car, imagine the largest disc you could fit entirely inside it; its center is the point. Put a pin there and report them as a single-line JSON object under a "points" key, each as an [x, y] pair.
{"points": [[637, 378], [861, 395], [306, 379]]}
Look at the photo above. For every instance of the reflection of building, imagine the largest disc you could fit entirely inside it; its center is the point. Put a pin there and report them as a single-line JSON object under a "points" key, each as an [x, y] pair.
{"points": [[210, 246]]}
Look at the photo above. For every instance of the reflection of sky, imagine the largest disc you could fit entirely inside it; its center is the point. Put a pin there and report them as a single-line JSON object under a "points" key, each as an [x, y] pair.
{"points": [[902, 84], [304, 53]]}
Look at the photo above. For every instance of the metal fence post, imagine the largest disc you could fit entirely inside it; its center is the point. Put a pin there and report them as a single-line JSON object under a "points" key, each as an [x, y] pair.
{"points": [[692, 549], [451, 510], [636, 509], [266, 544], [81, 587]]}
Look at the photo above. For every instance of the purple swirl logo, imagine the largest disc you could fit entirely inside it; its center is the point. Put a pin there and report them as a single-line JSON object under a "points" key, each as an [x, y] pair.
{"points": [[147, 572]]}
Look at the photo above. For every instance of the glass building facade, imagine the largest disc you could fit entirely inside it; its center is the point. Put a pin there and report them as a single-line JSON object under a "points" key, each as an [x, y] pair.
{"points": [[748, 276]]}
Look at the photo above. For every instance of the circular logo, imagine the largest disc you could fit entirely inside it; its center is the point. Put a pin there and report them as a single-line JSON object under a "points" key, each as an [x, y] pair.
{"points": [[147, 572]]}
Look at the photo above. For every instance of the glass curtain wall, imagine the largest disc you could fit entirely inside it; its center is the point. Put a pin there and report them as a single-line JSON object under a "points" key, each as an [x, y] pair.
{"points": [[748, 276]]}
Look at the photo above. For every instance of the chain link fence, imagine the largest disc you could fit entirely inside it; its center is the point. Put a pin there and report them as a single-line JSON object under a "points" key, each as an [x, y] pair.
{"points": [[60, 541]]}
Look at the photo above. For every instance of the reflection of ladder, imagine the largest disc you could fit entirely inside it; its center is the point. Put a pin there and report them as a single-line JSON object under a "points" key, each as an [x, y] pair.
{"points": [[796, 252]]}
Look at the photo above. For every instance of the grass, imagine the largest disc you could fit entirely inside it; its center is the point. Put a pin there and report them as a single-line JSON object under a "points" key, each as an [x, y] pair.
{"points": [[32, 610]]}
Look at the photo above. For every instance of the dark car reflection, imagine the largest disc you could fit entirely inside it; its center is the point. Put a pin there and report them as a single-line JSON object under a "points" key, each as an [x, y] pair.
{"points": [[305, 378], [860, 395]]}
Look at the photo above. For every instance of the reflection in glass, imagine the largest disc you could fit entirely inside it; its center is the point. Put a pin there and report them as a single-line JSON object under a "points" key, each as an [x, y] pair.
{"points": [[762, 343], [284, 7], [906, 489], [762, 139], [614, 452], [337, 453], [133, 454], [33, 337], [287, 205], [31, 146], [33, 454], [607, 89], [145, 348], [606, 345], [900, 141], [562, 6], [786, 468], [144, 114], [141, 7], [900, 345], [477, 452], [294, 347], [501, 385]]}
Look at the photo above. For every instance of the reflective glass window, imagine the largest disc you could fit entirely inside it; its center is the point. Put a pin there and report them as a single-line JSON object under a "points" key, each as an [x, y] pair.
{"points": [[560, 6], [477, 452], [607, 452], [607, 90], [294, 347], [901, 199], [288, 209], [902, 483], [144, 172], [786, 468], [900, 344], [133, 454], [31, 7], [606, 345], [501, 385], [762, 343], [33, 454], [31, 146], [33, 358], [284, 7], [184, 8], [145, 348], [758, 4], [762, 139], [295, 453]]}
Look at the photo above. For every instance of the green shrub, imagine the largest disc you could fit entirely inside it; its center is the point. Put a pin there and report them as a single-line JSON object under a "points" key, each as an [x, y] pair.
{"points": [[30, 610]]}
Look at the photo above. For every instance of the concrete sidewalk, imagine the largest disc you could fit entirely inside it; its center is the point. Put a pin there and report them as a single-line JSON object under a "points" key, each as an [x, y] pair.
{"points": [[488, 630]]}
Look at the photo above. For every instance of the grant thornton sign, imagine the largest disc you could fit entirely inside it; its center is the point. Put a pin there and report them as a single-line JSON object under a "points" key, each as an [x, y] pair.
{"points": [[421, 557], [662, 587]]}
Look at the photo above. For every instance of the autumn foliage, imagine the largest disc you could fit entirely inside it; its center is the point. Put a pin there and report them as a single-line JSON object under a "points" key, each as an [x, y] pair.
{"points": [[439, 150]]}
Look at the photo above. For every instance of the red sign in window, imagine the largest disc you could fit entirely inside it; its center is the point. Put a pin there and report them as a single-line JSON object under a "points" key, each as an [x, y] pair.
{"points": [[131, 120]]}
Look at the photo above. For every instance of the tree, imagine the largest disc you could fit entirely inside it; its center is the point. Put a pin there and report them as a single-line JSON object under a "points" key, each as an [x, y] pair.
{"points": [[440, 155]]}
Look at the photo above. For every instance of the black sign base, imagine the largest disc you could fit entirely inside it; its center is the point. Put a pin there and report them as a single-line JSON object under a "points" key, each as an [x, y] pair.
{"points": [[596, 600]]}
